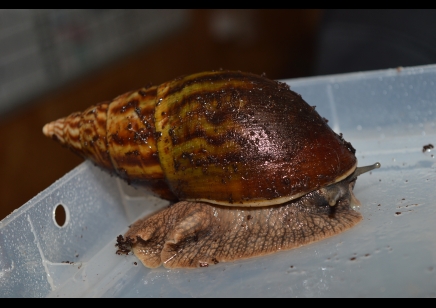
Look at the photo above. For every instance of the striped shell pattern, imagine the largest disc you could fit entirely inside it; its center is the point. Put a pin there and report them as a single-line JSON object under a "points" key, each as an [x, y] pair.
{"points": [[252, 139]]}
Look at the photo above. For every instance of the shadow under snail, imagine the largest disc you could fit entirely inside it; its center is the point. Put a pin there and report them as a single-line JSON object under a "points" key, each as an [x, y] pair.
{"points": [[254, 169]]}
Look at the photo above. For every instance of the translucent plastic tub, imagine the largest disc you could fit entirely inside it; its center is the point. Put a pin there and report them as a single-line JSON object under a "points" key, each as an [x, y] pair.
{"points": [[387, 115]]}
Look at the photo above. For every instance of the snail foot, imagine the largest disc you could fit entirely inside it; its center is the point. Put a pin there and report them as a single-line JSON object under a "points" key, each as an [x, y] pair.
{"points": [[196, 234]]}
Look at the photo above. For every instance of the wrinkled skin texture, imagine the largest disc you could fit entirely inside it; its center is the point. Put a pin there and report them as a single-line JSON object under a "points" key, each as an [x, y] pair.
{"points": [[196, 234]]}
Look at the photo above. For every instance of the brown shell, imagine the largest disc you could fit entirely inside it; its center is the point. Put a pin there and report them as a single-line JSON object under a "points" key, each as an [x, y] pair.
{"points": [[238, 138], [224, 137], [118, 136]]}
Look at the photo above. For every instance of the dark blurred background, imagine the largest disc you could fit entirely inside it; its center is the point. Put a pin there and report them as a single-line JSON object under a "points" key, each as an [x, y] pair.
{"points": [[54, 62]]}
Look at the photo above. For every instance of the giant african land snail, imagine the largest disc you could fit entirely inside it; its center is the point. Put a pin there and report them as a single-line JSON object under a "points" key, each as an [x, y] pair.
{"points": [[255, 168]]}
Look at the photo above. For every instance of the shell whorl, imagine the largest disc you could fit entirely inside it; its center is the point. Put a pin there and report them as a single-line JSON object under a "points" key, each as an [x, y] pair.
{"points": [[84, 133], [118, 136], [240, 139]]}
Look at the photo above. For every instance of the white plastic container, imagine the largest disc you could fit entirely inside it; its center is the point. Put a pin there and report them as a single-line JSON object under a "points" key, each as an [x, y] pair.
{"points": [[387, 115]]}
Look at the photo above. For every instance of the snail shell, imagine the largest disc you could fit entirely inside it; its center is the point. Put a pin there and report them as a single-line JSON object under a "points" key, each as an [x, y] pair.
{"points": [[259, 169]]}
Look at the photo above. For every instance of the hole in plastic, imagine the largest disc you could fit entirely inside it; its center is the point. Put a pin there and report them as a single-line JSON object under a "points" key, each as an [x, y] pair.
{"points": [[60, 215]]}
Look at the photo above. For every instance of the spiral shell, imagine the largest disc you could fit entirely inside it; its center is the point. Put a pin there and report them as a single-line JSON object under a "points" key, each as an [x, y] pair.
{"points": [[251, 139]]}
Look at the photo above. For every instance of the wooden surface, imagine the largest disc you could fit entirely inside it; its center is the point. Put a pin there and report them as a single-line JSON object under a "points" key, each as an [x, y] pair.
{"points": [[278, 42]]}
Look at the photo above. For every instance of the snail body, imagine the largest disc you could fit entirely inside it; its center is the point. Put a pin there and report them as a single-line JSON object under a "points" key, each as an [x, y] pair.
{"points": [[255, 167]]}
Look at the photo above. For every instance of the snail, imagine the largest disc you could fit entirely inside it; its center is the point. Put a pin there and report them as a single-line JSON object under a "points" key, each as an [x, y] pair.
{"points": [[251, 167]]}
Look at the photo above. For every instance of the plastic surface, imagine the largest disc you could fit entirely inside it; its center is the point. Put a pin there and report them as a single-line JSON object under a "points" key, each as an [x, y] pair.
{"points": [[387, 115]]}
